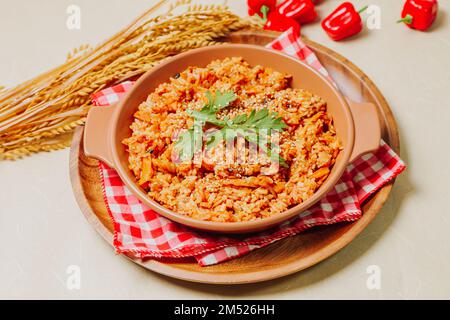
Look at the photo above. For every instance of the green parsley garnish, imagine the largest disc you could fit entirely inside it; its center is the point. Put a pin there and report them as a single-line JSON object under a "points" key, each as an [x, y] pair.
{"points": [[247, 125]]}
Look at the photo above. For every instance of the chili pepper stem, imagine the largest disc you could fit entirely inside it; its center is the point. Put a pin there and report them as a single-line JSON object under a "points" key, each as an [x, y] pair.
{"points": [[407, 19], [264, 10], [363, 9]]}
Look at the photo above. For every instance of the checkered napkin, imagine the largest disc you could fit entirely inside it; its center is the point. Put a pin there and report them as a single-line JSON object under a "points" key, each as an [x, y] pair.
{"points": [[141, 231]]}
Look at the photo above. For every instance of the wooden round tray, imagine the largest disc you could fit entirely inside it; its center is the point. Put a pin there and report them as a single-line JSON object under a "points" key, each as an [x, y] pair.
{"points": [[278, 259]]}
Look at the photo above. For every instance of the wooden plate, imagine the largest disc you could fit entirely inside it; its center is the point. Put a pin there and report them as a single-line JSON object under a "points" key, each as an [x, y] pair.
{"points": [[278, 259]]}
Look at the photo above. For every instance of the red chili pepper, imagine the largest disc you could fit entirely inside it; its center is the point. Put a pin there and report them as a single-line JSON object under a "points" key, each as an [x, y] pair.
{"points": [[303, 11], [254, 6], [419, 14], [343, 22], [277, 22]]}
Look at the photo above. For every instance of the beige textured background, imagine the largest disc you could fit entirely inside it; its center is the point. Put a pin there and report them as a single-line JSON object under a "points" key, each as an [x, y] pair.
{"points": [[42, 231]]}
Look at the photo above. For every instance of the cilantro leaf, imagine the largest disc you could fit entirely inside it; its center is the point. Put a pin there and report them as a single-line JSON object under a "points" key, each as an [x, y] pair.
{"points": [[247, 125], [261, 119], [189, 141], [222, 100], [204, 117]]}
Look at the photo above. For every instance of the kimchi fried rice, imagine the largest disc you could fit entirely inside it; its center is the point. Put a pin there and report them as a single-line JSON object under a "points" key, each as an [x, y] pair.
{"points": [[235, 191]]}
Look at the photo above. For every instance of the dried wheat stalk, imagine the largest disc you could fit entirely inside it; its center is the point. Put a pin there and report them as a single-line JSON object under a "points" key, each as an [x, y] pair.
{"points": [[42, 113]]}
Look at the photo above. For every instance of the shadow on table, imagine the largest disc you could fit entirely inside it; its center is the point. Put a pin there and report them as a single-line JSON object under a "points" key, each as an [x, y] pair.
{"points": [[360, 245], [441, 21]]}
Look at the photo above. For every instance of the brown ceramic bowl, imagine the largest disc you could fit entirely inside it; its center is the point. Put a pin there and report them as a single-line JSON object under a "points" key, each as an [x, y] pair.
{"points": [[357, 125]]}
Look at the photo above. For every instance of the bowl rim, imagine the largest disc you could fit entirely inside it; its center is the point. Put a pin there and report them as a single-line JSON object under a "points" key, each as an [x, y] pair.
{"points": [[240, 226]]}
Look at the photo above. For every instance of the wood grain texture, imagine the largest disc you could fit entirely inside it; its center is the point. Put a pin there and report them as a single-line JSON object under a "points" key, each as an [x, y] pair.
{"points": [[285, 256]]}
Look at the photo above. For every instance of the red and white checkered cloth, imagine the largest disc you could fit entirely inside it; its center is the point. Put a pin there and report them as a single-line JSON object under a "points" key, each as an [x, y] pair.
{"points": [[145, 233]]}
